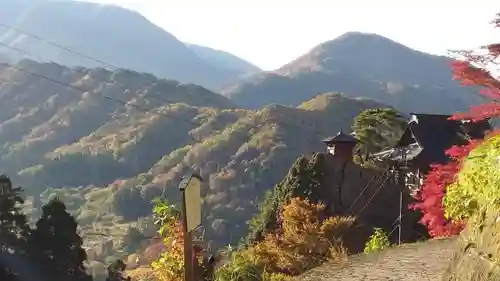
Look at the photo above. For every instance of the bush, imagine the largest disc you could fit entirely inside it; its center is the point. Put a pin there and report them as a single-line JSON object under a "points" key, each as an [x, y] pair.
{"points": [[474, 197], [377, 242], [239, 268], [305, 239], [477, 183], [170, 265]]}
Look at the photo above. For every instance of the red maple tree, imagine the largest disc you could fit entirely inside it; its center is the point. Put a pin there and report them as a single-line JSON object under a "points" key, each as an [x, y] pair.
{"points": [[478, 68], [433, 190]]}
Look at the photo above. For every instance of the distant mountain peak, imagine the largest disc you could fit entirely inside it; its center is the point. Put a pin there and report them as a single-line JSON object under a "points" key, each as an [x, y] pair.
{"points": [[351, 34], [363, 39], [359, 64], [223, 58], [108, 33]]}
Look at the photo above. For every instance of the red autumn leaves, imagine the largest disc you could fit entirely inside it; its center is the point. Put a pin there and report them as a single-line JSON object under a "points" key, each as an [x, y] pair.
{"points": [[480, 69]]}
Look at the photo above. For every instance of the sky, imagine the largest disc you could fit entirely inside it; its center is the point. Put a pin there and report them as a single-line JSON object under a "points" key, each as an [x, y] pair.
{"points": [[271, 33]]}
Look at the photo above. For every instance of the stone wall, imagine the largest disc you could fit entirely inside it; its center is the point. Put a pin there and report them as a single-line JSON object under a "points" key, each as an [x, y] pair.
{"points": [[377, 206]]}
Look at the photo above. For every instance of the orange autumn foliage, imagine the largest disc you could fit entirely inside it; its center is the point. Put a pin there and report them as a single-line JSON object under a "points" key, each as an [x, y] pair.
{"points": [[305, 239]]}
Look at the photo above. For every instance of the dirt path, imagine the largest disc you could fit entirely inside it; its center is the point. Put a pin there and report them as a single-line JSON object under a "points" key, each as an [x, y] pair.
{"points": [[410, 262]]}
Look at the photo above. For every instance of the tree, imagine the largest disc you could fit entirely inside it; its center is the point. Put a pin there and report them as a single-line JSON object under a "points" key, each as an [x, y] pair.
{"points": [[377, 129], [130, 203], [433, 191], [133, 239], [14, 231], [307, 236], [57, 246], [116, 271], [480, 68], [473, 68]]}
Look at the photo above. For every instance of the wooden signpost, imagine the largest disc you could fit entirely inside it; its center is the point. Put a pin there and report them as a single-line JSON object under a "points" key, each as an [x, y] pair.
{"points": [[191, 219]]}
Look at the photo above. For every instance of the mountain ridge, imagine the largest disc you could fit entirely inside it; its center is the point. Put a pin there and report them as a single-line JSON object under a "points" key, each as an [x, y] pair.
{"points": [[103, 32], [360, 64], [223, 58]]}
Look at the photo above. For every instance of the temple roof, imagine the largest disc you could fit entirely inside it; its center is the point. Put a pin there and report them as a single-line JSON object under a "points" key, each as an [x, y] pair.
{"points": [[341, 137], [428, 136]]}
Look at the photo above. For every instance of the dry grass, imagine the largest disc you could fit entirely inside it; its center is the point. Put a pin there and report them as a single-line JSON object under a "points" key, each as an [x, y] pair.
{"points": [[416, 262], [477, 258]]}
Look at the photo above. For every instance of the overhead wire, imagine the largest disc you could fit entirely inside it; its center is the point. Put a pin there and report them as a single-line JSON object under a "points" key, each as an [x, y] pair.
{"points": [[109, 65], [376, 192], [48, 42], [140, 108], [374, 178], [55, 81]]}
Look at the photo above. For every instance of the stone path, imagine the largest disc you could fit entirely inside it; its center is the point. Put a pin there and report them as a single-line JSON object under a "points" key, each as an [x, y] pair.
{"points": [[421, 261]]}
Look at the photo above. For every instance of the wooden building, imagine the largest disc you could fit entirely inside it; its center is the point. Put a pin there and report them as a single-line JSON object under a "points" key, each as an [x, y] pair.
{"points": [[378, 198], [341, 146], [425, 141]]}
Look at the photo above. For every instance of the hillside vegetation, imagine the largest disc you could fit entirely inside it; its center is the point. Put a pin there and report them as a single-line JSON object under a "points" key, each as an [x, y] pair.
{"points": [[108, 157], [474, 198]]}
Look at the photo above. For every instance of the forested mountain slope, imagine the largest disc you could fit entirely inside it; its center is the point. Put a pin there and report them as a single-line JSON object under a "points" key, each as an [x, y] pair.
{"points": [[129, 135]]}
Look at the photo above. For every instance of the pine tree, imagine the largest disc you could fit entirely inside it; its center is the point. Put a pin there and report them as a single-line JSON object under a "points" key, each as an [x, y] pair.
{"points": [[377, 129], [57, 246], [14, 232]]}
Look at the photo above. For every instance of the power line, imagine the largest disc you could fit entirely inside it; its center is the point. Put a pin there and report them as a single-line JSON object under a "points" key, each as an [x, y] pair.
{"points": [[141, 108], [110, 65], [55, 81], [374, 178], [376, 191], [149, 110], [58, 45]]}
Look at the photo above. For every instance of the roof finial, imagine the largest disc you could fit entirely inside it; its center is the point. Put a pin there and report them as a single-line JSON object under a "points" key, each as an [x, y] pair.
{"points": [[341, 129]]}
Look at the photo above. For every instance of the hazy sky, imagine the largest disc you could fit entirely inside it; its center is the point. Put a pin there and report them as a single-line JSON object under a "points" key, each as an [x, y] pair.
{"points": [[270, 33]]}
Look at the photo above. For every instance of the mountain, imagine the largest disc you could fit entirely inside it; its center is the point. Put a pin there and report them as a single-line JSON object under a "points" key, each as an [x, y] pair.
{"points": [[110, 34], [224, 59], [108, 142], [39, 115], [360, 64]]}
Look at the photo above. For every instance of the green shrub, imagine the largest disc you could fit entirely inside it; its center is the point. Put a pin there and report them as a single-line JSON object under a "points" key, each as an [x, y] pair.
{"points": [[240, 268], [377, 241], [477, 183]]}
